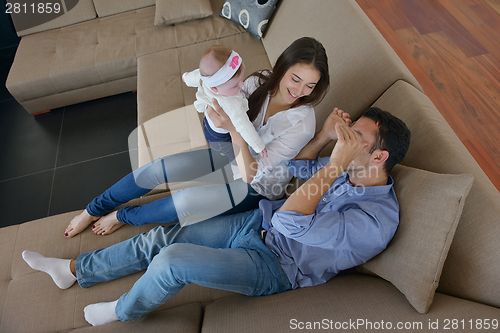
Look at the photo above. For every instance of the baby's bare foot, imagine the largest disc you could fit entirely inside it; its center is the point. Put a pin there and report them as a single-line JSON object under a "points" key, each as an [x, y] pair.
{"points": [[79, 223], [107, 225]]}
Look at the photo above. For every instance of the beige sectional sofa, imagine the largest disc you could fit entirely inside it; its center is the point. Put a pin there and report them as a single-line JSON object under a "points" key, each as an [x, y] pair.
{"points": [[92, 51], [441, 269]]}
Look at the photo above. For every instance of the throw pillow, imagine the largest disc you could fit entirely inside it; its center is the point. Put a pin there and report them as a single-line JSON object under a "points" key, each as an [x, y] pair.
{"points": [[174, 11], [430, 207], [252, 15]]}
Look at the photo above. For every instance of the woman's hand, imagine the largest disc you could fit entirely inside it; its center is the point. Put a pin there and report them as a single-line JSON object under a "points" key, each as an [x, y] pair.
{"points": [[337, 116], [219, 117], [245, 161]]}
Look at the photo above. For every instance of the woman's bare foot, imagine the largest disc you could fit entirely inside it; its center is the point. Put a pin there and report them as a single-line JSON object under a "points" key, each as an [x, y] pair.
{"points": [[79, 223], [107, 225]]}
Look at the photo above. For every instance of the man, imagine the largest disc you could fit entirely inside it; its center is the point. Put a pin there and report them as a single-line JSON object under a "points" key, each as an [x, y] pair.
{"points": [[343, 215]]}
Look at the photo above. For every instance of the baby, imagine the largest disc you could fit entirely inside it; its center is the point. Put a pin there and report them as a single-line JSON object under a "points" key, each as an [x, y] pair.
{"points": [[220, 76]]}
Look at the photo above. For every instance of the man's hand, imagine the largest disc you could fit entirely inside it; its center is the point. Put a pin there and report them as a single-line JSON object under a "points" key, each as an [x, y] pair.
{"points": [[244, 159], [305, 199], [336, 117], [347, 148]]}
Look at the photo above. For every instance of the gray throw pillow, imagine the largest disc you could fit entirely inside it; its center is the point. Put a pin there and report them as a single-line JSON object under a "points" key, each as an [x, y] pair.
{"points": [[253, 15]]}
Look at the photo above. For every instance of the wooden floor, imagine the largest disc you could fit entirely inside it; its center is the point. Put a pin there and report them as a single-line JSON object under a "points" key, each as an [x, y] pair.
{"points": [[452, 47]]}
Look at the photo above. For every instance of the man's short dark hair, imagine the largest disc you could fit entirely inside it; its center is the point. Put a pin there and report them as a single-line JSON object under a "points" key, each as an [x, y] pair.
{"points": [[393, 136]]}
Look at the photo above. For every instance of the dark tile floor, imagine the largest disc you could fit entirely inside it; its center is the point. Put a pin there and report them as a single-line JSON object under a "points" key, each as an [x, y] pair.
{"points": [[57, 162]]}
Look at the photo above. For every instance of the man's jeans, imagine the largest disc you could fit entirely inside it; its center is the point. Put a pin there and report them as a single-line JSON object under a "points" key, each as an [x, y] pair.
{"points": [[225, 252]]}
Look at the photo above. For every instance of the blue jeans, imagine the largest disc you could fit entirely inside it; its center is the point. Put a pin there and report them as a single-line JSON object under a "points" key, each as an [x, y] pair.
{"points": [[225, 252], [219, 142], [223, 195]]}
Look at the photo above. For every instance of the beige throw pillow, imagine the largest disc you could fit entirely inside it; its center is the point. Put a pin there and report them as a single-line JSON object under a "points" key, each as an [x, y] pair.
{"points": [[430, 208], [175, 11]]}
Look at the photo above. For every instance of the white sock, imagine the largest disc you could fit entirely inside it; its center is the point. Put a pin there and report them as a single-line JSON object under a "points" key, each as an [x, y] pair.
{"points": [[58, 269], [100, 313]]}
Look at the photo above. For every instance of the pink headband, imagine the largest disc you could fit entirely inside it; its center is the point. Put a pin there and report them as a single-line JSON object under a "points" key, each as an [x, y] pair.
{"points": [[226, 72]]}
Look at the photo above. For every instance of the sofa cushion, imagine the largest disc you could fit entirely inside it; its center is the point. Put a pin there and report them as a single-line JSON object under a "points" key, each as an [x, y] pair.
{"points": [[74, 57], [83, 11], [73, 63], [173, 11], [29, 75], [152, 38], [346, 303], [430, 208], [172, 132], [111, 7], [30, 295], [25, 293], [184, 319], [8, 240], [252, 15], [115, 56], [154, 82]]}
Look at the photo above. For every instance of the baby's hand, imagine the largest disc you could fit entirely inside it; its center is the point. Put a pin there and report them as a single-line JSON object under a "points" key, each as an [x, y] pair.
{"points": [[263, 153]]}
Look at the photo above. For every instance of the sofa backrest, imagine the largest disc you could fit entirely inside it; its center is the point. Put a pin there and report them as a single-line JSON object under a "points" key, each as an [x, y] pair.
{"points": [[83, 11], [362, 64], [364, 71], [111, 7], [472, 267]]}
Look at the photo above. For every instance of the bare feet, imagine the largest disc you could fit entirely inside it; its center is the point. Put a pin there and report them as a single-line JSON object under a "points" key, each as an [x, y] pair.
{"points": [[79, 223], [107, 225]]}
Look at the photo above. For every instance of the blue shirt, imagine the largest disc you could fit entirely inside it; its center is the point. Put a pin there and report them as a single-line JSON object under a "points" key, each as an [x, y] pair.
{"points": [[350, 226]]}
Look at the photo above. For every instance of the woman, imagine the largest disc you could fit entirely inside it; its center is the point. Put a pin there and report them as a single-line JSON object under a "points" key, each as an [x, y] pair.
{"points": [[281, 109]]}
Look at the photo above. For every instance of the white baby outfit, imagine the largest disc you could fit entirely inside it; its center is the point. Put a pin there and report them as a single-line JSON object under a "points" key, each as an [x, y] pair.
{"points": [[236, 108]]}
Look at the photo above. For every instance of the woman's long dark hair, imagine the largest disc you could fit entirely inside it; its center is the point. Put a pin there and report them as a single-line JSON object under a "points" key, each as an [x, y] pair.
{"points": [[305, 50]]}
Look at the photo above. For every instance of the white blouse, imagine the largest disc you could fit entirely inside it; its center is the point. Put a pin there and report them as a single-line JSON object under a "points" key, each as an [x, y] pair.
{"points": [[284, 135]]}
